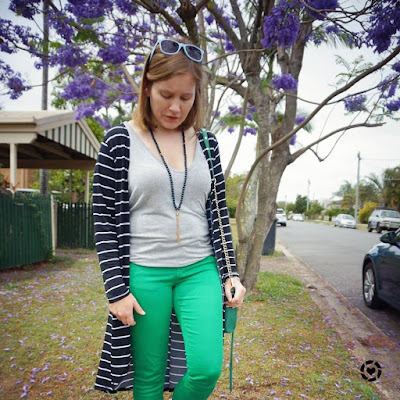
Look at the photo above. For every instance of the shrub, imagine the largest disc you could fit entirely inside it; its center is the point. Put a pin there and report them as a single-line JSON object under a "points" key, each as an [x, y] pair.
{"points": [[365, 212]]}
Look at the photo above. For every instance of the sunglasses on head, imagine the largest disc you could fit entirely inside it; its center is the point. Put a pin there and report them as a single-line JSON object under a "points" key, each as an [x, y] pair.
{"points": [[170, 47]]}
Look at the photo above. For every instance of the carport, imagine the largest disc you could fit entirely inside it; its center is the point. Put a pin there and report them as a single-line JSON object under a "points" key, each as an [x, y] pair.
{"points": [[46, 140]]}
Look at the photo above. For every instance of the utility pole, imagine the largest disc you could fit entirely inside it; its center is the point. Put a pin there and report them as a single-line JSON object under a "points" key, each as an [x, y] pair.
{"points": [[357, 188], [44, 173], [308, 194]]}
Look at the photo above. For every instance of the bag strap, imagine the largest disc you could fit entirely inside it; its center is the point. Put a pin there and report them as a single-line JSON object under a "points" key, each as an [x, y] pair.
{"points": [[223, 240], [221, 228]]}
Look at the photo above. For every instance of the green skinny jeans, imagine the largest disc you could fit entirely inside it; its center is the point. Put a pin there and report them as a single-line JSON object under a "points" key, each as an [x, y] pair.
{"points": [[194, 292]]}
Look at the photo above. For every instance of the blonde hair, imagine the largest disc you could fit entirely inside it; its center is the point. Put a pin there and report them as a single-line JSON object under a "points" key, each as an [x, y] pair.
{"points": [[163, 67]]}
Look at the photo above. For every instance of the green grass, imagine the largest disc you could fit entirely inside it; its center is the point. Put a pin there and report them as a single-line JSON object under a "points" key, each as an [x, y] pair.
{"points": [[53, 317]]}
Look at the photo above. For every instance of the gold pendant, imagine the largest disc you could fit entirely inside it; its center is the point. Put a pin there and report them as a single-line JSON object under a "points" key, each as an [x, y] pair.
{"points": [[178, 239]]}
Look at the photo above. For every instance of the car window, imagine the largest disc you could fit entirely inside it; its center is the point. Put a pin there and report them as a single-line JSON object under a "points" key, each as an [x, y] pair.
{"points": [[397, 237], [347, 217]]}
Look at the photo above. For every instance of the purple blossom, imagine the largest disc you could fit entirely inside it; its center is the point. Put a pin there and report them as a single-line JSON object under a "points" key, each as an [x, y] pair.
{"points": [[84, 110], [249, 129], [355, 103], [104, 122], [249, 116], [384, 24], [116, 53], [281, 26], [216, 35], [126, 6], [140, 59], [299, 119], [126, 93], [393, 105], [284, 82], [293, 140], [235, 110], [209, 19], [332, 29], [229, 46], [25, 8], [396, 67], [323, 6], [388, 86], [68, 56], [16, 86], [83, 87], [231, 129], [252, 108], [88, 9], [59, 22], [11, 34]]}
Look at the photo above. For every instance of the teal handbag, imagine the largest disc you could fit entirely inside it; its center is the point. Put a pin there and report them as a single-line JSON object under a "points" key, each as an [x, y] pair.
{"points": [[230, 313]]}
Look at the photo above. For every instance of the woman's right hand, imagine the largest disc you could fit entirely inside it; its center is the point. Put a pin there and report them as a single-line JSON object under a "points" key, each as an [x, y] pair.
{"points": [[123, 309]]}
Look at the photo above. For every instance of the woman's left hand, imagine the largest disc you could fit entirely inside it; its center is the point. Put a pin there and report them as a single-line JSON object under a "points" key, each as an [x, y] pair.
{"points": [[240, 291]]}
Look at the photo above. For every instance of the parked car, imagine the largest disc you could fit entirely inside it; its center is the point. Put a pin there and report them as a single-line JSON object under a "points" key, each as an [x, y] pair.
{"points": [[383, 219], [281, 217], [345, 221], [298, 217], [381, 272]]}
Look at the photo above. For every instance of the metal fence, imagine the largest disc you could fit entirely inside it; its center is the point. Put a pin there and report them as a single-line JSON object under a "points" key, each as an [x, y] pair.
{"points": [[75, 225], [25, 229]]}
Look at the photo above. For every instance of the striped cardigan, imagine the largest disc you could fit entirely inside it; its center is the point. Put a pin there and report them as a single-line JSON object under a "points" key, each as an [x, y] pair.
{"points": [[112, 235]]}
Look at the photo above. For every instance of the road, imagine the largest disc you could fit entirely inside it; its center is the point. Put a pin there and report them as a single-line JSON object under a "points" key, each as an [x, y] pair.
{"points": [[337, 255]]}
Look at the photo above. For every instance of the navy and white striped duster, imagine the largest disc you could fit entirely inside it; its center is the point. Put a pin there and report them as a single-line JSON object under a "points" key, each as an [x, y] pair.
{"points": [[112, 235]]}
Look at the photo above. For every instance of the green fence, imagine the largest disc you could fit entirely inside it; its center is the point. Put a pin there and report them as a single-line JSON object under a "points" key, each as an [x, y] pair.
{"points": [[25, 229], [75, 225]]}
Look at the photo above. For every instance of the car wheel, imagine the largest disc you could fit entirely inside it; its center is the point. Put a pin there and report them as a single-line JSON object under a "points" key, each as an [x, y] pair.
{"points": [[370, 292], [369, 227], [378, 228], [283, 224]]}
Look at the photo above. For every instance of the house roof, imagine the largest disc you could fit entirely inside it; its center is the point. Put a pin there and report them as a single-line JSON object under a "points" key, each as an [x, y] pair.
{"points": [[47, 139]]}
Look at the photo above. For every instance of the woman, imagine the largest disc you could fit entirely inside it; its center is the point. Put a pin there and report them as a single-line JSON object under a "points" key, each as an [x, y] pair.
{"points": [[158, 238]]}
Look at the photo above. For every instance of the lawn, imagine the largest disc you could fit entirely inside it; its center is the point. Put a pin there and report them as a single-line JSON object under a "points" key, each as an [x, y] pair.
{"points": [[53, 317]]}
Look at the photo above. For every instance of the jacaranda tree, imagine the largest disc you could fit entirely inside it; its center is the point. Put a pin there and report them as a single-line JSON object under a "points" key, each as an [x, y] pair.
{"points": [[254, 53]]}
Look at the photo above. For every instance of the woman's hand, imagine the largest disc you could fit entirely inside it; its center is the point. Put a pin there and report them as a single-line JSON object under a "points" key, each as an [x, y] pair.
{"points": [[123, 309], [240, 291]]}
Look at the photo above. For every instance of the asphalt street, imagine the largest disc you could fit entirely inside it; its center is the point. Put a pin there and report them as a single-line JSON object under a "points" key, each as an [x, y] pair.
{"points": [[337, 255]]}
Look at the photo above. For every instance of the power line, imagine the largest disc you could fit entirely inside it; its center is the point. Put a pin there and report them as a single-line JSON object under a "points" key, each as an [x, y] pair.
{"points": [[381, 159]]}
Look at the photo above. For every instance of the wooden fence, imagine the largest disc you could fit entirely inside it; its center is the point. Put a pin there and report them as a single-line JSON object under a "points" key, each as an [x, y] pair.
{"points": [[25, 229], [75, 225]]}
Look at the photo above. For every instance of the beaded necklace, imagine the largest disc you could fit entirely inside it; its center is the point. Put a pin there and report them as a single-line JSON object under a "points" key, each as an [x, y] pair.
{"points": [[171, 182]]}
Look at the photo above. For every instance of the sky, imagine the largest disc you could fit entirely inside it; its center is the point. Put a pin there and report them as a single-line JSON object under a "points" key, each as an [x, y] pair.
{"points": [[379, 147]]}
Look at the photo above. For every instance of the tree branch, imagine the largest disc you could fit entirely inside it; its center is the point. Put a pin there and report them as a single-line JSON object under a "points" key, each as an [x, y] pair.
{"points": [[200, 4], [239, 20], [212, 8], [154, 8], [239, 141], [188, 12], [307, 120], [128, 76], [298, 153], [238, 88]]}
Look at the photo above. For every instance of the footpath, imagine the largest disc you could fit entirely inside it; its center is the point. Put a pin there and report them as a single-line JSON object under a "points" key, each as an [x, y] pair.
{"points": [[359, 334]]}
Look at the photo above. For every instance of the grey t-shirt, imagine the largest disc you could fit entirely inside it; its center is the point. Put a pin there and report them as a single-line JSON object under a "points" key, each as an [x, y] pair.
{"points": [[152, 214]]}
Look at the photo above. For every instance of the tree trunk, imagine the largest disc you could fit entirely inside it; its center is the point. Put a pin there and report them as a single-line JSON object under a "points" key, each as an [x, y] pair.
{"points": [[270, 174]]}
